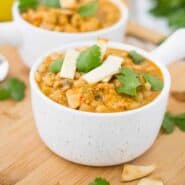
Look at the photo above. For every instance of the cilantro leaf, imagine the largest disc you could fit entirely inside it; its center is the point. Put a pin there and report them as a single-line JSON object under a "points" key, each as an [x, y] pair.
{"points": [[156, 83], [100, 181], [168, 123], [4, 93], [55, 66], [180, 116], [26, 4], [52, 3], [89, 9], [180, 121], [176, 19], [13, 88], [180, 124], [16, 88], [129, 82], [89, 59], [136, 57], [172, 10]]}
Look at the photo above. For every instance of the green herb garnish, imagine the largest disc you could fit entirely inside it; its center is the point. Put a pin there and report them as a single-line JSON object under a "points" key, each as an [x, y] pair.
{"points": [[170, 121], [180, 121], [177, 19], [89, 9], [4, 93], [100, 181], [172, 10], [129, 82], [156, 83], [13, 88], [89, 59], [52, 3], [26, 4], [16, 88], [136, 57], [55, 66]]}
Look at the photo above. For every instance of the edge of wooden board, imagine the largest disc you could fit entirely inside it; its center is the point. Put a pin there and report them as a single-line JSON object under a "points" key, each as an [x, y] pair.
{"points": [[144, 33]]}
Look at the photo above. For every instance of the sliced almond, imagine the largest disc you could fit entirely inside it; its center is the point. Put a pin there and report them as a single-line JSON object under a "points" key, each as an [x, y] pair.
{"points": [[68, 3], [107, 79], [103, 44], [150, 181], [69, 64], [110, 67], [133, 172]]}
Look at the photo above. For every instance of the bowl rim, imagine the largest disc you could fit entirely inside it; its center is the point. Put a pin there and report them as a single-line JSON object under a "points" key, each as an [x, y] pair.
{"points": [[116, 45], [123, 19]]}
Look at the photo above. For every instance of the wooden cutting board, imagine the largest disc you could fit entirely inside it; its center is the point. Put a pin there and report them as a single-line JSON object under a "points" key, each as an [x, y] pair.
{"points": [[25, 160]]}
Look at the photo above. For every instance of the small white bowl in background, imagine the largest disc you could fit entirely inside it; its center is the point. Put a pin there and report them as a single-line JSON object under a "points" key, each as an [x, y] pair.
{"points": [[33, 41]]}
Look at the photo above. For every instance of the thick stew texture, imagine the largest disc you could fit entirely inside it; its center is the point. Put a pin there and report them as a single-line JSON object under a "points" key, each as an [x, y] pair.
{"points": [[80, 16], [102, 80]]}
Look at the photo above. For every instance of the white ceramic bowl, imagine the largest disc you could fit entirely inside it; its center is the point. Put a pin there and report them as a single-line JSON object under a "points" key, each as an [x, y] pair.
{"points": [[33, 41], [102, 139]]}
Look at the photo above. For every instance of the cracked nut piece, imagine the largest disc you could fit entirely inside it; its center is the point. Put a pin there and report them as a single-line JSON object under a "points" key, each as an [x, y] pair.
{"points": [[150, 181], [133, 172]]}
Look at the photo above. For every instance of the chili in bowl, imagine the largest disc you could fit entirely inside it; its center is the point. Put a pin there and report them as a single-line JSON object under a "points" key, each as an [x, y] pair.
{"points": [[75, 17], [120, 104], [102, 80], [40, 28]]}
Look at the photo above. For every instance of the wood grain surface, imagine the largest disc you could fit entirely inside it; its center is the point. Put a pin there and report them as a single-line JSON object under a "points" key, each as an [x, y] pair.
{"points": [[25, 160]]}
